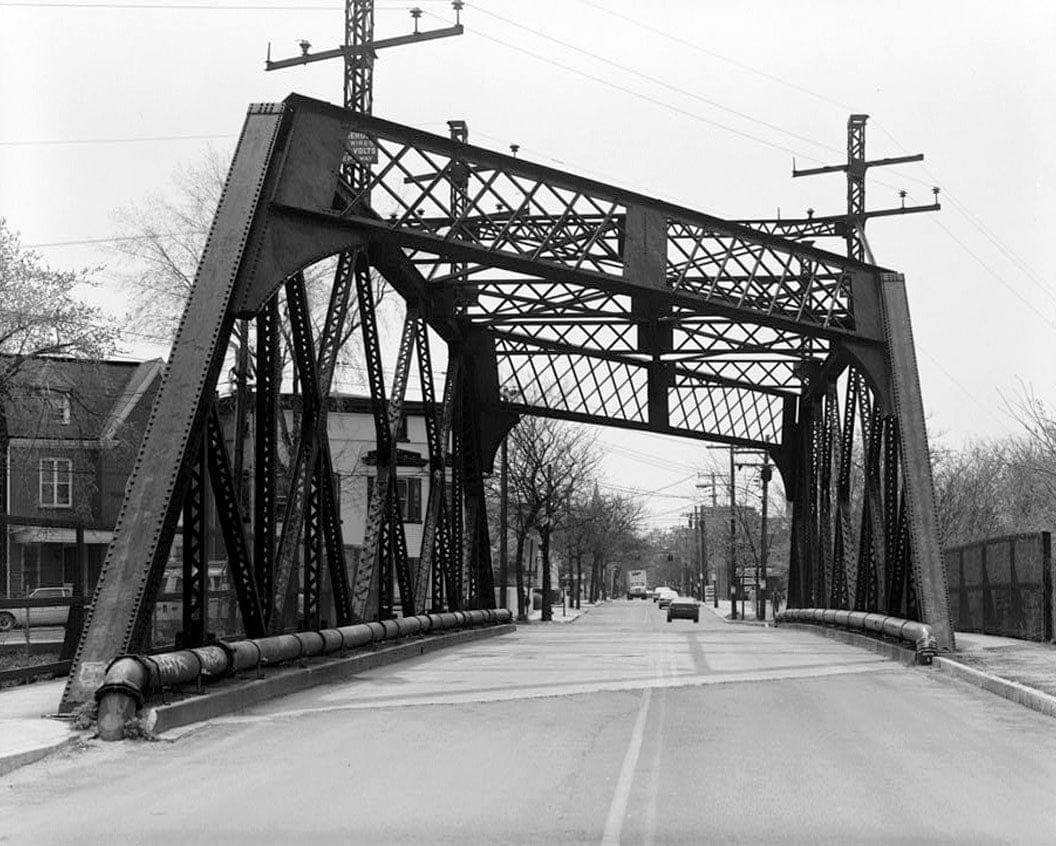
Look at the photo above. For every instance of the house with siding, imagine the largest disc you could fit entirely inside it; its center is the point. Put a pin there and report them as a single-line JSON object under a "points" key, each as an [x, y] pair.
{"points": [[350, 427]]}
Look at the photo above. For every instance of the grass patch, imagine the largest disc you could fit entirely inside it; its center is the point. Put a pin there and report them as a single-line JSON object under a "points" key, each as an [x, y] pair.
{"points": [[14, 660]]}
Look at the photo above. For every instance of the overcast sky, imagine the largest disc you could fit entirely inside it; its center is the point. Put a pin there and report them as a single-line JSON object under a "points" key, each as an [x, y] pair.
{"points": [[701, 103]]}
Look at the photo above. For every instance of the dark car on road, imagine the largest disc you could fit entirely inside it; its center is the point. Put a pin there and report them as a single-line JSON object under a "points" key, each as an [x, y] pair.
{"points": [[684, 608]]}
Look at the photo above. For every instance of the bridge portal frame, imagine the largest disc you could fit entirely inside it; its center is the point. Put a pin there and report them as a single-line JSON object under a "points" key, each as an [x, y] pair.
{"points": [[581, 301]]}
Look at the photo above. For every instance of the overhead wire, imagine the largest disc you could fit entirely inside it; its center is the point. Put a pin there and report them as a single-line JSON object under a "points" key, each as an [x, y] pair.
{"points": [[623, 66], [631, 92], [729, 60], [52, 142], [962, 208]]}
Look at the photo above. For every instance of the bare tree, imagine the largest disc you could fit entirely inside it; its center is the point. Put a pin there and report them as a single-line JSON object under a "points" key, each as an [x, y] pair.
{"points": [[163, 239], [549, 464], [614, 523], [41, 317]]}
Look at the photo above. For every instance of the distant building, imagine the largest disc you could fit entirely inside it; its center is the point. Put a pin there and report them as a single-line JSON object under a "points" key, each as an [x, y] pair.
{"points": [[353, 450], [74, 429]]}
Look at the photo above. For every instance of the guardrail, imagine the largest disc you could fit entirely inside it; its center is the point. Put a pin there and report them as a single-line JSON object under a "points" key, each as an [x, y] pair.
{"points": [[918, 635], [26, 674], [131, 679], [54, 602]]}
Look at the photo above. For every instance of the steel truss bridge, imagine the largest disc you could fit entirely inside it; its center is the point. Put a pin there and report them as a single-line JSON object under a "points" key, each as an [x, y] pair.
{"points": [[555, 295]]}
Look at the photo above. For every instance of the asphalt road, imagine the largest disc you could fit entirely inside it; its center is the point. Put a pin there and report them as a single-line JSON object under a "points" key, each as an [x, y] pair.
{"points": [[618, 728]]}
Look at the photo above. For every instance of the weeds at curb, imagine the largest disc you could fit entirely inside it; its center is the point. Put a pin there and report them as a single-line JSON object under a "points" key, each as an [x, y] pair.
{"points": [[136, 729], [85, 716]]}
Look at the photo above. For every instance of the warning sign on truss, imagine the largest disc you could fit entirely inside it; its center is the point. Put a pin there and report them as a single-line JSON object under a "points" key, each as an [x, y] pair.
{"points": [[363, 147]]}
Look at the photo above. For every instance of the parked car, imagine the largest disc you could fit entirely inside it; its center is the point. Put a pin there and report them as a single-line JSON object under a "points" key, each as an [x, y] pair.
{"points": [[49, 615], [666, 596], [684, 608]]}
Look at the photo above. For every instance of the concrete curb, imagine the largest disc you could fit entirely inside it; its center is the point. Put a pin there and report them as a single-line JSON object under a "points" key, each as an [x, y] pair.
{"points": [[886, 648], [583, 613], [231, 697], [10, 763], [1028, 697], [1013, 691], [718, 615]]}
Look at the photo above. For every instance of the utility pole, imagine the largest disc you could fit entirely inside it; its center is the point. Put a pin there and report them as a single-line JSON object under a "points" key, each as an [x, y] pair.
{"points": [[703, 540], [766, 473], [360, 49], [544, 545], [856, 168], [504, 523], [764, 543], [733, 537]]}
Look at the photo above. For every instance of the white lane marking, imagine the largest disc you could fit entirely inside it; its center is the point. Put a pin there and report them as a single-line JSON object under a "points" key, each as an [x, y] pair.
{"points": [[549, 691], [653, 789], [618, 808]]}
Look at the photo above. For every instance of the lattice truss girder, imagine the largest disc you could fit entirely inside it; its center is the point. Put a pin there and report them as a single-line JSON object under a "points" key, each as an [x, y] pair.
{"points": [[855, 507], [551, 266], [502, 207]]}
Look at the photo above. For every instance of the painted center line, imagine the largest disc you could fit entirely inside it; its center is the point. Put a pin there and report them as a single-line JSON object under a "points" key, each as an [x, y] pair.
{"points": [[618, 808]]}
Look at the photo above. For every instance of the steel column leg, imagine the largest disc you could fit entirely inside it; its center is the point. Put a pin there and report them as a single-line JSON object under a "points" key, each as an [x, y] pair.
{"points": [[429, 577], [385, 545], [229, 516], [265, 445], [456, 595], [842, 546], [195, 554], [480, 580], [928, 568], [830, 438]]}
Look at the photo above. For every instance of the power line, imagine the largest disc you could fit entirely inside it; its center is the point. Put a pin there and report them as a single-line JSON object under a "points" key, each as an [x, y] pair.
{"points": [[52, 142], [965, 212], [112, 239], [657, 81], [964, 389], [1048, 322], [735, 62], [655, 101], [217, 7], [637, 94]]}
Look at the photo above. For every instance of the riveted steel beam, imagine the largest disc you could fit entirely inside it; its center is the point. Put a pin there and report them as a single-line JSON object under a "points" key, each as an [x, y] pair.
{"points": [[232, 527]]}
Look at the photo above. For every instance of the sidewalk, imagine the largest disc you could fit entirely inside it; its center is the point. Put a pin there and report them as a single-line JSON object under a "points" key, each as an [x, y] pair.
{"points": [[723, 611], [1023, 666], [26, 735], [562, 615]]}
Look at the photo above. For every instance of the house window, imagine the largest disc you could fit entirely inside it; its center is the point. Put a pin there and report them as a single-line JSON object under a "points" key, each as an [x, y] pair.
{"points": [[401, 428], [57, 409], [410, 490], [56, 483]]}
